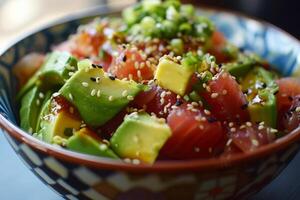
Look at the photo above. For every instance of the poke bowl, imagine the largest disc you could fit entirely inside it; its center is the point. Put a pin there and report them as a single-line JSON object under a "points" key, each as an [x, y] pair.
{"points": [[76, 174]]}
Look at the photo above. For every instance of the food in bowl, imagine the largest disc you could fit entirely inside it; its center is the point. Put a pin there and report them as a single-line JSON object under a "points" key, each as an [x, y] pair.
{"points": [[160, 83]]}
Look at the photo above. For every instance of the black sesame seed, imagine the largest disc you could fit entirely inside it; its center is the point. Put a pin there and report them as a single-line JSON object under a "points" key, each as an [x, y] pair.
{"points": [[93, 79], [178, 102], [97, 66], [244, 106], [220, 65], [264, 85], [112, 77], [124, 58], [211, 119], [290, 98], [276, 92]]}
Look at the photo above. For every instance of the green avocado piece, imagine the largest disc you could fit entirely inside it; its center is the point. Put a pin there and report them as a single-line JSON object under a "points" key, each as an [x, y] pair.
{"points": [[82, 141], [260, 86], [30, 109], [54, 123], [243, 64], [53, 73], [97, 95], [141, 137]]}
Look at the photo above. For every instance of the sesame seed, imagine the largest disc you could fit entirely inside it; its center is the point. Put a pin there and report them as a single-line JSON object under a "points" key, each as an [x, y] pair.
{"points": [[254, 142], [70, 96], [273, 130], [93, 79], [207, 112], [103, 147], [130, 98], [201, 127], [142, 65], [249, 124], [71, 73], [112, 77], [56, 94], [136, 65], [242, 126], [208, 89], [130, 76], [260, 127], [93, 92], [231, 124], [233, 129], [139, 74], [85, 84], [97, 66], [297, 109], [127, 160], [214, 95], [124, 93], [110, 98], [197, 149], [229, 142], [41, 95], [98, 93], [224, 92], [284, 95], [136, 161]]}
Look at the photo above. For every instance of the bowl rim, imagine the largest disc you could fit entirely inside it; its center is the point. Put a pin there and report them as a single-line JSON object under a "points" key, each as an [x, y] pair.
{"points": [[159, 166]]}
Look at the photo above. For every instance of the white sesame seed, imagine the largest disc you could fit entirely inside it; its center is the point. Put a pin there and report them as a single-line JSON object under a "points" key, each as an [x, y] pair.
{"points": [[70, 96], [136, 65], [124, 93], [207, 112], [231, 124], [272, 130], [224, 92], [233, 129], [85, 84], [139, 74], [214, 95], [136, 161], [260, 127], [103, 147], [41, 95], [98, 93], [242, 126], [254, 142], [130, 98], [249, 124], [93, 92], [197, 149], [110, 98], [56, 94], [298, 109], [127, 160], [229, 142], [71, 73], [201, 127], [262, 123]]}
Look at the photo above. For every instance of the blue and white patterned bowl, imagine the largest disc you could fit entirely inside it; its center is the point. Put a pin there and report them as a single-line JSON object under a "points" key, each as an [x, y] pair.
{"points": [[78, 176]]}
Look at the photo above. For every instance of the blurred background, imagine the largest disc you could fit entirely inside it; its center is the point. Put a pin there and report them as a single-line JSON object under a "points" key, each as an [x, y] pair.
{"points": [[20, 16]]}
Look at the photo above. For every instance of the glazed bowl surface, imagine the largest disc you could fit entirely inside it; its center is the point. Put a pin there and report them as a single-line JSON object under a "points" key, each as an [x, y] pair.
{"points": [[78, 176]]}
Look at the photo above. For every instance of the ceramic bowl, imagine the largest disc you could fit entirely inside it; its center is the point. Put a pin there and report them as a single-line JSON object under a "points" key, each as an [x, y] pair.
{"points": [[78, 176]]}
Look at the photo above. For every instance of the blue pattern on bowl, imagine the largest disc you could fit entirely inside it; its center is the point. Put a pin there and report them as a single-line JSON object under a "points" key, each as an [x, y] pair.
{"points": [[70, 180]]}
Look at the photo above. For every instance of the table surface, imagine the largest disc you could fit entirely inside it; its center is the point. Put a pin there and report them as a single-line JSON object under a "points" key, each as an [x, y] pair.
{"points": [[17, 182]]}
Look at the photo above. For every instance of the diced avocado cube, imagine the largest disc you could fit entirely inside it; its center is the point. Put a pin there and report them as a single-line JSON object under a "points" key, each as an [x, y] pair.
{"points": [[53, 72], [173, 76], [84, 141], [98, 96], [140, 136], [260, 86], [56, 124]]}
